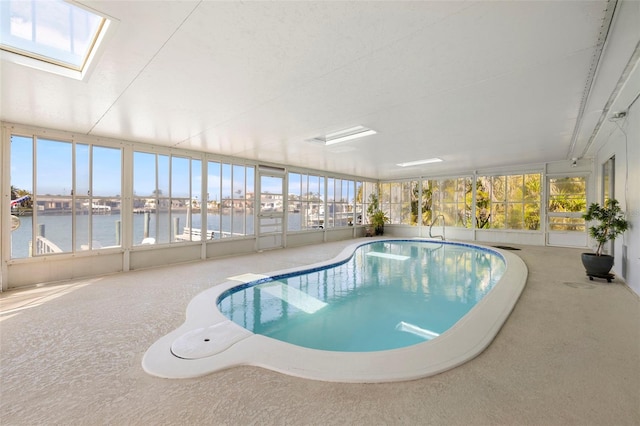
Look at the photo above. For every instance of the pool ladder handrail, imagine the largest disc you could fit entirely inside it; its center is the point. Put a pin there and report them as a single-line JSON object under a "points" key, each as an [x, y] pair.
{"points": [[431, 227]]}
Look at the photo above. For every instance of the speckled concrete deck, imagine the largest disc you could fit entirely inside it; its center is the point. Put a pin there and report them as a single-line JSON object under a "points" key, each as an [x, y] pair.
{"points": [[71, 354]]}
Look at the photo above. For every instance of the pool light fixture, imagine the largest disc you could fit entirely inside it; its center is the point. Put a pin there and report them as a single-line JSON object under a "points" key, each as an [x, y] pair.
{"points": [[344, 135], [419, 162]]}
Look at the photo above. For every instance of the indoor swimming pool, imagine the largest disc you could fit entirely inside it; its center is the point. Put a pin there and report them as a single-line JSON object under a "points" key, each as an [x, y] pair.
{"points": [[386, 310]]}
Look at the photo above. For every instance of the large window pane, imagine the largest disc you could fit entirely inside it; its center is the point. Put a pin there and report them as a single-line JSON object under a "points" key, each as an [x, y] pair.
{"points": [[427, 191], [483, 202], [230, 204], [533, 187], [249, 207], [348, 196], [107, 172], [213, 198], [162, 189], [180, 178], [106, 222], [167, 212], [508, 202], [239, 195], [567, 194], [407, 216], [294, 202], [54, 226], [359, 203], [532, 216], [54, 186], [463, 199], [394, 201], [227, 202], [82, 170], [515, 190], [144, 174], [180, 226], [194, 220], [105, 214], [180, 199], [54, 168], [532, 204], [340, 209], [21, 196], [306, 201], [145, 200], [161, 222], [83, 223], [449, 199], [567, 203]]}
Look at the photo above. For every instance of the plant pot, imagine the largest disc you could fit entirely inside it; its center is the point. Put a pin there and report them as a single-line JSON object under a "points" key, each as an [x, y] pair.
{"points": [[597, 265], [368, 231], [379, 230]]}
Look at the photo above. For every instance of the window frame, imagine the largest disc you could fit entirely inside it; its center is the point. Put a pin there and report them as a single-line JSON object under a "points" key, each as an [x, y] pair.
{"points": [[577, 215], [501, 199], [70, 199]]}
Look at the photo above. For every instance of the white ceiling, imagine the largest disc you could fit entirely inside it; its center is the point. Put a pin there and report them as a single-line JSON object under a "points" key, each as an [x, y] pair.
{"points": [[478, 84]]}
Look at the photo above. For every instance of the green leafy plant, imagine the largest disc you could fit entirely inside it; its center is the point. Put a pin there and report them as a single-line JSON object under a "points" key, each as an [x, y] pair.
{"points": [[378, 219], [610, 222]]}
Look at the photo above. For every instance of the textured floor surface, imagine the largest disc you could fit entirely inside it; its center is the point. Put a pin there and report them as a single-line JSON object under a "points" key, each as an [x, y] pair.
{"points": [[71, 353]]}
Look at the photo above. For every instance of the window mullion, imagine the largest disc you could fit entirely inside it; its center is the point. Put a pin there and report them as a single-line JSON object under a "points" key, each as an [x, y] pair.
{"points": [[34, 208]]}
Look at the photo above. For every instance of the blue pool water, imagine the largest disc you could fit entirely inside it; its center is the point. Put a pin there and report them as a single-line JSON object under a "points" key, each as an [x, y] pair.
{"points": [[389, 294]]}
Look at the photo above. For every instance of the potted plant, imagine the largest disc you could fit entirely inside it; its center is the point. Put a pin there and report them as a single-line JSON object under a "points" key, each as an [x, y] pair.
{"points": [[610, 223], [378, 219]]}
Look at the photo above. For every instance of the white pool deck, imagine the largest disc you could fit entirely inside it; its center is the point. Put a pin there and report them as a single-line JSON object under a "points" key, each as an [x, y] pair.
{"points": [[209, 342], [71, 353]]}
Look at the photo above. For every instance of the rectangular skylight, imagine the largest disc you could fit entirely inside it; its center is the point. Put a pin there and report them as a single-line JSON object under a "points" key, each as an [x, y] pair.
{"points": [[418, 162], [52, 31], [344, 135]]}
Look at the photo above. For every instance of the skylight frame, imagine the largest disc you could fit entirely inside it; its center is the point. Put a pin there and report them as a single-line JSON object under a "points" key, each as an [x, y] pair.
{"points": [[20, 54]]}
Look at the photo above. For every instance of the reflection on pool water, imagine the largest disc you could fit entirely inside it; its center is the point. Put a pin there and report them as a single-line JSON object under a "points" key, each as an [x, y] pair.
{"points": [[389, 294]]}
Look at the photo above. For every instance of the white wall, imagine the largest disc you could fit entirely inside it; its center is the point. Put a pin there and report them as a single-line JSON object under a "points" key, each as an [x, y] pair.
{"points": [[632, 200], [624, 143], [620, 136]]}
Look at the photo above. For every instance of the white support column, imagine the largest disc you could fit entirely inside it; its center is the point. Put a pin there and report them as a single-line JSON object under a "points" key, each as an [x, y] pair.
{"points": [[204, 202], [126, 205], [5, 207]]}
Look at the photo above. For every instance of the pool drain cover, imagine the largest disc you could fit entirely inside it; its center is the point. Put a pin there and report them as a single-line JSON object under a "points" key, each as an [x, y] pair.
{"points": [[207, 341]]}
